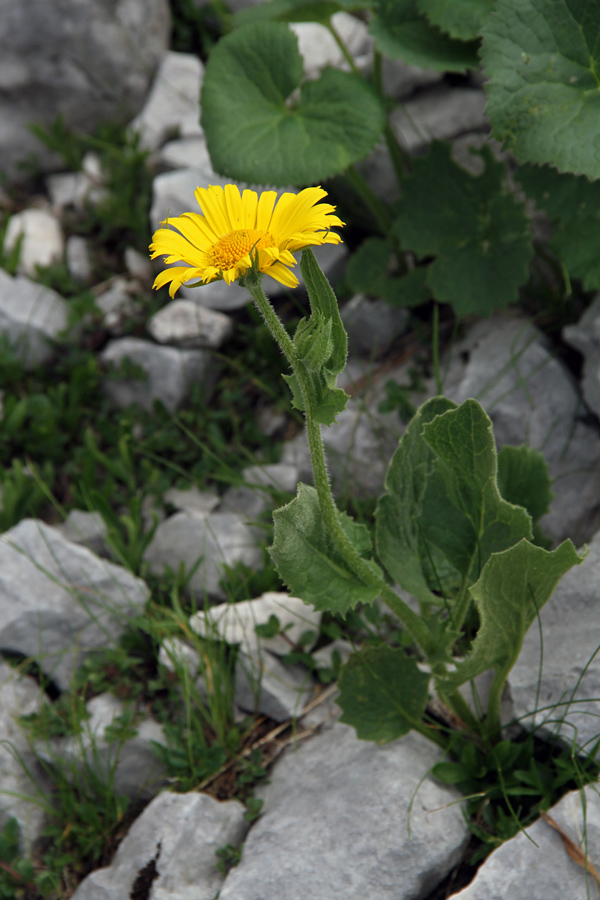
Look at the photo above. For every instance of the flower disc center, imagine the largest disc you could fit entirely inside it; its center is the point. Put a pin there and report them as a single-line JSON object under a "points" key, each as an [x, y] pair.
{"points": [[232, 247]]}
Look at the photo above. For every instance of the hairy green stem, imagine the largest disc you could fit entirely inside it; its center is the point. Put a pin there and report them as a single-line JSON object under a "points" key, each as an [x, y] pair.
{"points": [[413, 623], [455, 701]]}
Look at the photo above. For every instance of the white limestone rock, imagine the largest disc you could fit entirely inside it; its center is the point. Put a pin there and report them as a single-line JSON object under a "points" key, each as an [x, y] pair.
{"points": [[183, 323], [20, 797], [319, 48], [440, 114], [585, 337], [218, 539], [181, 834], [172, 106], [31, 317], [170, 373], [116, 303], [372, 325], [42, 239], [265, 686], [77, 256], [139, 266], [252, 498], [90, 62], [532, 398], [336, 824], [535, 865], [58, 601], [569, 679], [400, 79], [186, 153], [192, 500], [236, 623], [78, 189], [86, 528], [129, 765]]}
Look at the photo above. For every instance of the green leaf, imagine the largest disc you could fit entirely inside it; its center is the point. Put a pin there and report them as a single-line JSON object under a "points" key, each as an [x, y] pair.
{"points": [[323, 300], [462, 19], [367, 273], [512, 589], [523, 479], [450, 773], [383, 693], [306, 558], [256, 133], [442, 515], [399, 537], [401, 32], [473, 224], [573, 204], [297, 11], [542, 59]]}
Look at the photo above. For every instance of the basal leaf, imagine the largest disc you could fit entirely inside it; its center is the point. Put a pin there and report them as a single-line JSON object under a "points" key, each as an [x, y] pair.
{"points": [[401, 32], [474, 226], [408, 290], [442, 515], [462, 19], [573, 204], [383, 693], [399, 537], [464, 515], [542, 59], [256, 133], [523, 478], [307, 560], [512, 589]]}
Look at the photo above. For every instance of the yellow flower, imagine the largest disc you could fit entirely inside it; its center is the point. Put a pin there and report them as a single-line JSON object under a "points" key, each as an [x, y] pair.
{"points": [[217, 243]]}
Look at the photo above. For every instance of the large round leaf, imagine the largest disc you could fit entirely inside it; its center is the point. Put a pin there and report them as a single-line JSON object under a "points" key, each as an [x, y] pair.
{"points": [[401, 32], [542, 58], [462, 19], [257, 133]]}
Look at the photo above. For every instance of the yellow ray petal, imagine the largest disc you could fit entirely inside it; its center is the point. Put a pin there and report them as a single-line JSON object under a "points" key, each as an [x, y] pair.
{"points": [[266, 202], [212, 204], [283, 275], [198, 221], [249, 208], [294, 214], [233, 205]]}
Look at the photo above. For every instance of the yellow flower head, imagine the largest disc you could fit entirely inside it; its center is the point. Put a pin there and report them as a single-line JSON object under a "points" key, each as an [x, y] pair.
{"points": [[217, 243]]}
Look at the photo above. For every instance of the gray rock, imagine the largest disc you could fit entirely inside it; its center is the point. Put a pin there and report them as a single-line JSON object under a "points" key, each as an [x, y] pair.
{"points": [[372, 325], [324, 656], [219, 539], [129, 766], [264, 685], [192, 500], [172, 106], [535, 864], [401, 80], [170, 373], [336, 824], [116, 303], [531, 398], [319, 49], [440, 114], [86, 528], [77, 257], [19, 795], [78, 189], [184, 323], [42, 239], [31, 317], [89, 62], [569, 680], [138, 266], [173, 192], [251, 499], [181, 833], [585, 337], [235, 623], [59, 601], [186, 153]]}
